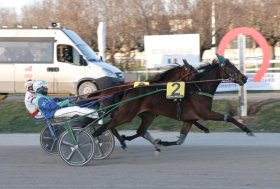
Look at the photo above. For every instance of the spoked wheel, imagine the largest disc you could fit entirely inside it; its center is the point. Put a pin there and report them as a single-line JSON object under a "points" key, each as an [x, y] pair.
{"points": [[79, 154], [47, 142], [103, 144]]}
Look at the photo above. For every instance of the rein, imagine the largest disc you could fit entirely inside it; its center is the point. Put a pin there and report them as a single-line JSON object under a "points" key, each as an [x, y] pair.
{"points": [[202, 81], [91, 103], [187, 74]]}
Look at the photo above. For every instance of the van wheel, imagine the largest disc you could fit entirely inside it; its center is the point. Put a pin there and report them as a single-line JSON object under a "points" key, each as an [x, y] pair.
{"points": [[86, 88]]}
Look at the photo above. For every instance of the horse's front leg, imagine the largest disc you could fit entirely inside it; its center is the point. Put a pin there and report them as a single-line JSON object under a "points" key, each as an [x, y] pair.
{"points": [[201, 127], [220, 117], [181, 139], [238, 124]]}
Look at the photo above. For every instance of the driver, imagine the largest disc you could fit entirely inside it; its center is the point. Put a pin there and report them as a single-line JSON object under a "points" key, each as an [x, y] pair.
{"points": [[50, 108], [29, 100]]}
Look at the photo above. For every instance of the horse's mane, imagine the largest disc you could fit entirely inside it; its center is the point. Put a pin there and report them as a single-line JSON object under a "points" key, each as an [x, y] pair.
{"points": [[205, 68], [161, 76]]}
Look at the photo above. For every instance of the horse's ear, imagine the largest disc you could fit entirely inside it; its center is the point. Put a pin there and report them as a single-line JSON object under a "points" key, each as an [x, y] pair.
{"points": [[221, 59], [186, 62]]}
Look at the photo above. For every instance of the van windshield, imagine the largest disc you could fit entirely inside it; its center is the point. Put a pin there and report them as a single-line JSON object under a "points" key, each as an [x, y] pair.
{"points": [[89, 54]]}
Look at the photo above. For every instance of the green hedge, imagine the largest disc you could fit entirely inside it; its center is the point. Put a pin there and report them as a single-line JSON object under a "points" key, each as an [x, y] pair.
{"points": [[14, 119]]}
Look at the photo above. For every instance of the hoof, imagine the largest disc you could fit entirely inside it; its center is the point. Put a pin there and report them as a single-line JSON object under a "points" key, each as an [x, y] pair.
{"points": [[250, 134], [206, 131], [157, 152], [124, 146], [123, 137], [157, 141]]}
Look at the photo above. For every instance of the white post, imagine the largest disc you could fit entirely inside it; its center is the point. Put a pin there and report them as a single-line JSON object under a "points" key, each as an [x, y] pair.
{"points": [[101, 35], [242, 93]]}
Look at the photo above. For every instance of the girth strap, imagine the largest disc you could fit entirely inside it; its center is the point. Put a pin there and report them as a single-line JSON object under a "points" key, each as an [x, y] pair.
{"points": [[179, 109], [206, 94]]}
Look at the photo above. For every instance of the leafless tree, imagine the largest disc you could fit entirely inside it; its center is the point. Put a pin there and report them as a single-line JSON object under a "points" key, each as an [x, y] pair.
{"points": [[269, 22], [8, 17], [128, 21]]}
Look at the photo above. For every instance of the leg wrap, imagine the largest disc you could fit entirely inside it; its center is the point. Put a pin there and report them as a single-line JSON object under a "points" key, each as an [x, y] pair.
{"points": [[181, 139], [100, 122], [226, 117], [149, 137]]}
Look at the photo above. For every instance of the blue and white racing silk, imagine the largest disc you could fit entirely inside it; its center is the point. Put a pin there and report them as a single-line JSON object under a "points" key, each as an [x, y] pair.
{"points": [[50, 108]]}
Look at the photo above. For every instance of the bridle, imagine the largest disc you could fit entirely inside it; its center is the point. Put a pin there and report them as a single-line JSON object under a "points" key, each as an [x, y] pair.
{"points": [[231, 76], [187, 73]]}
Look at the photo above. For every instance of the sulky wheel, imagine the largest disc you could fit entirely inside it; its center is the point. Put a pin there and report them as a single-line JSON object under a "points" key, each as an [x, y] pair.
{"points": [[79, 154], [103, 144], [48, 143]]}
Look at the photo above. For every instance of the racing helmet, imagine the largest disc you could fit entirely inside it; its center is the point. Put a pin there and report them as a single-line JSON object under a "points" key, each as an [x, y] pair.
{"points": [[39, 86], [28, 85]]}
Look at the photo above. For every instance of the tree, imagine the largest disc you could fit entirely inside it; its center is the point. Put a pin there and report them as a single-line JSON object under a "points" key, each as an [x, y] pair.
{"points": [[8, 17], [269, 22], [128, 21]]}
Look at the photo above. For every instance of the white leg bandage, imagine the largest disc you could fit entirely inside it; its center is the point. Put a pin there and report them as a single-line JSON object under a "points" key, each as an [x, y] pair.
{"points": [[226, 117], [181, 139], [149, 137]]}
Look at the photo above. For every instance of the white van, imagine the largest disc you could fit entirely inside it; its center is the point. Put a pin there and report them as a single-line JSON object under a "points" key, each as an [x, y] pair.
{"points": [[58, 56]]}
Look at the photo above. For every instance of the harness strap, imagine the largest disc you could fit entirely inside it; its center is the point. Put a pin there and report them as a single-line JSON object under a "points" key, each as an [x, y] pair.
{"points": [[198, 88], [179, 109], [206, 94]]}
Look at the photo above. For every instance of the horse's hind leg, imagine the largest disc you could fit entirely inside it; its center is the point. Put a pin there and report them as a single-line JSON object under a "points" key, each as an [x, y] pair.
{"points": [[120, 138], [181, 139], [146, 120]]}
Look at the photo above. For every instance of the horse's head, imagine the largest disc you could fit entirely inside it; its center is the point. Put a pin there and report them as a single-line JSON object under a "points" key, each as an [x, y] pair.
{"points": [[230, 71]]}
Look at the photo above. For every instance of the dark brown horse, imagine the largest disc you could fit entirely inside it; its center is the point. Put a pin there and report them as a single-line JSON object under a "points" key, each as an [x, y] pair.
{"points": [[197, 103], [178, 73]]}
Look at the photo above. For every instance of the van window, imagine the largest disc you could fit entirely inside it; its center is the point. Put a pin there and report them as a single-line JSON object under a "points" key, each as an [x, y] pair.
{"points": [[66, 53], [21, 50]]}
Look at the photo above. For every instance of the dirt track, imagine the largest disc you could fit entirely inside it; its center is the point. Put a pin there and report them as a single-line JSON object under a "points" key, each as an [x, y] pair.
{"points": [[213, 161]]}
